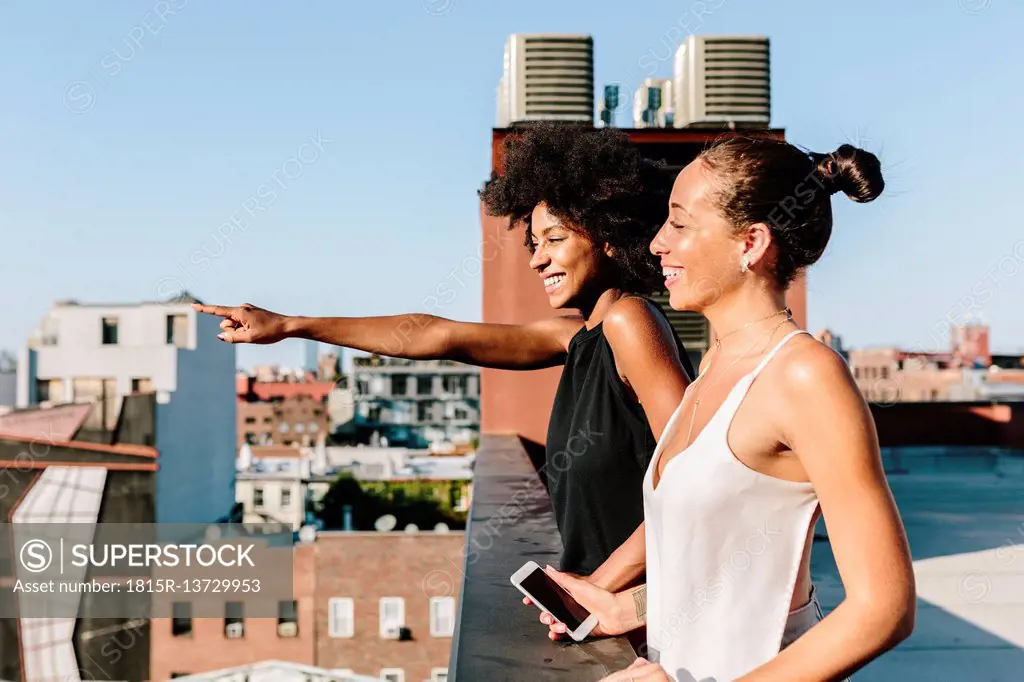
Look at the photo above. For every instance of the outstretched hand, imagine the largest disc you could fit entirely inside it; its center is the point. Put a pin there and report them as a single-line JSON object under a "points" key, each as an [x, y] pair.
{"points": [[247, 323]]}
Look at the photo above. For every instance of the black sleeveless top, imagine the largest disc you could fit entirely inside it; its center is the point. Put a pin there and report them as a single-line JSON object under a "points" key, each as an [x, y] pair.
{"points": [[598, 447]]}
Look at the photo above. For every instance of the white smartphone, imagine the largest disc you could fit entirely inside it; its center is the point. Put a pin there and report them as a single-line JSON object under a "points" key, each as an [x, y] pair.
{"points": [[532, 581]]}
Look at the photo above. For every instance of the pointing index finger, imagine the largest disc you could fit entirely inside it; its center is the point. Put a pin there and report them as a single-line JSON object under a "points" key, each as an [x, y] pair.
{"points": [[222, 311]]}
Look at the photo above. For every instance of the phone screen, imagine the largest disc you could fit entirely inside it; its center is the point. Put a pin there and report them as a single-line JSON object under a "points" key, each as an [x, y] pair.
{"points": [[556, 600]]}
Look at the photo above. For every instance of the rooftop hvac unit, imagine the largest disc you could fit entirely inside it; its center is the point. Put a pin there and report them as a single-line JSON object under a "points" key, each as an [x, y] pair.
{"points": [[722, 81], [547, 77]]}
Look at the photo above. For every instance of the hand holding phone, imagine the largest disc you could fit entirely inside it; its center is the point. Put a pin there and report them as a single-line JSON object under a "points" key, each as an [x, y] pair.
{"points": [[551, 598]]}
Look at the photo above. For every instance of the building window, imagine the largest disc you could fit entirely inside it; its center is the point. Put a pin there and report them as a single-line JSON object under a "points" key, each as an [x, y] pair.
{"points": [[442, 616], [885, 372], [286, 498], [283, 427], [268, 420], [392, 617], [424, 385], [856, 372], [935, 394], [234, 619], [50, 390], [177, 330], [142, 385], [288, 618], [452, 384], [175, 676], [439, 675], [109, 326], [313, 427], [257, 497], [181, 618], [340, 617], [392, 674], [399, 384], [300, 427], [250, 420]]}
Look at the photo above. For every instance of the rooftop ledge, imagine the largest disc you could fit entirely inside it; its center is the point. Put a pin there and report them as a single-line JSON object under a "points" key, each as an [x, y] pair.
{"points": [[497, 637]]}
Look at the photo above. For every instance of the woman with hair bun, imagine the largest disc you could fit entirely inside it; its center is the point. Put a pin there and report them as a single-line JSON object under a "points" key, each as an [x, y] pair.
{"points": [[772, 434]]}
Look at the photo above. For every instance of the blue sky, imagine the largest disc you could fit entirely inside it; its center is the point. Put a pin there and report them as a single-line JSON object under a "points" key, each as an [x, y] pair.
{"points": [[131, 132]]}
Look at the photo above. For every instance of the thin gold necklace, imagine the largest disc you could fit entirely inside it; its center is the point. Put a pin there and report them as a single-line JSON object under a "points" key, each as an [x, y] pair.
{"points": [[696, 397], [786, 310]]}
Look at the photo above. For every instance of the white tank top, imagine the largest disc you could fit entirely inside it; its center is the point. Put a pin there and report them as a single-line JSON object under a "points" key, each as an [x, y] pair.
{"points": [[724, 544]]}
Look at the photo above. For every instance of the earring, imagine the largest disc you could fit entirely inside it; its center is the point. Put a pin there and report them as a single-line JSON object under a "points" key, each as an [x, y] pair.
{"points": [[744, 266]]}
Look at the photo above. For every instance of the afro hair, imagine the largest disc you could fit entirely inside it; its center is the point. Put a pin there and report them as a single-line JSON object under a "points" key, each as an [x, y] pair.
{"points": [[597, 182]]}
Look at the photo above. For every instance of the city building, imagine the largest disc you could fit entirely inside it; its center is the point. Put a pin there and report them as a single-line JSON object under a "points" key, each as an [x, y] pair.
{"points": [[546, 77], [722, 81], [375, 604], [970, 344], [328, 367], [415, 403], [653, 104], [292, 413], [283, 484], [8, 380], [55, 469], [102, 353], [888, 375], [967, 372]]}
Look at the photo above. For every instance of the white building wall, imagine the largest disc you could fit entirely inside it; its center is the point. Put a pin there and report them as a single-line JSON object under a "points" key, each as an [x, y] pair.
{"points": [[194, 384]]}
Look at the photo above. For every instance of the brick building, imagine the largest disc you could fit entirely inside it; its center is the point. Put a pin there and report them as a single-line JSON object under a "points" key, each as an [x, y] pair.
{"points": [[281, 413], [377, 604]]}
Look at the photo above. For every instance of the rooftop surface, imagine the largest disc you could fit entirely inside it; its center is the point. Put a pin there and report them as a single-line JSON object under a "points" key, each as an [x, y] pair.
{"points": [[966, 531]]}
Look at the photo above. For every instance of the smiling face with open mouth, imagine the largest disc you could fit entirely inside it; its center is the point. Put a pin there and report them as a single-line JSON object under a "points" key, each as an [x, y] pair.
{"points": [[567, 261], [699, 251]]}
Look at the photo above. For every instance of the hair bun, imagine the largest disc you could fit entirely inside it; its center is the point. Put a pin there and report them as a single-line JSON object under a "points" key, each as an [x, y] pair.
{"points": [[852, 171]]}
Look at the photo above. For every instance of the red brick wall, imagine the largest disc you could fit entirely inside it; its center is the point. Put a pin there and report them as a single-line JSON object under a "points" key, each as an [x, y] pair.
{"points": [[206, 648], [510, 401], [368, 566]]}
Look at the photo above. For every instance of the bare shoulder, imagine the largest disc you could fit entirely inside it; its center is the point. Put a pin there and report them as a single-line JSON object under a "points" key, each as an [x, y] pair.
{"points": [[806, 370], [634, 321]]}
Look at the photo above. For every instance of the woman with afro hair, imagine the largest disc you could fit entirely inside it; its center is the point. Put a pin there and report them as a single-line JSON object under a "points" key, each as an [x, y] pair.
{"points": [[591, 206]]}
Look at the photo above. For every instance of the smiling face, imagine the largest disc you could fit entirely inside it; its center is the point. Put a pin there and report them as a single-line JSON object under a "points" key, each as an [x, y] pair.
{"points": [[567, 260], [699, 250]]}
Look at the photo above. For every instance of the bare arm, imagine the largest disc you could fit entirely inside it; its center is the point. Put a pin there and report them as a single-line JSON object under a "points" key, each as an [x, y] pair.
{"points": [[414, 336], [649, 365], [827, 424]]}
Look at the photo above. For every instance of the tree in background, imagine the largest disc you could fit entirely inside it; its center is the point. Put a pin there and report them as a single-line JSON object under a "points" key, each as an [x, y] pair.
{"points": [[424, 503]]}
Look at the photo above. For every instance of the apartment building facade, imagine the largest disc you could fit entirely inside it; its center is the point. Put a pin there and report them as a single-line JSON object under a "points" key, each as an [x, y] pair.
{"points": [[86, 353], [365, 604], [415, 403]]}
